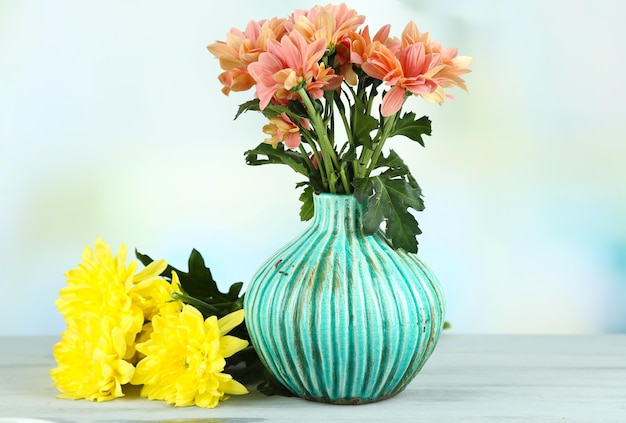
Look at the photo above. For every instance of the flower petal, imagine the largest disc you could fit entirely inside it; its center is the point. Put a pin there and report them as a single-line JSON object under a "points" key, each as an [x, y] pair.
{"points": [[233, 387], [392, 101], [230, 345], [229, 321]]}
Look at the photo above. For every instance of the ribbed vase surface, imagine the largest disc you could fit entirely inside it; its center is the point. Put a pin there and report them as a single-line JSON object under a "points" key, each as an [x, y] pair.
{"points": [[340, 317]]}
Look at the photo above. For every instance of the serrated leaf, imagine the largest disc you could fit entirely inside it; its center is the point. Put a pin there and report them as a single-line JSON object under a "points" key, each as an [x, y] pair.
{"points": [[375, 214], [390, 202], [362, 131], [402, 230], [347, 153], [413, 183], [248, 105], [143, 258], [297, 108], [412, 128], [235, 289], [396, 168], [278, 155], [270, 111], [307, 209], [363, 189], [146, 260], [198, 284]]}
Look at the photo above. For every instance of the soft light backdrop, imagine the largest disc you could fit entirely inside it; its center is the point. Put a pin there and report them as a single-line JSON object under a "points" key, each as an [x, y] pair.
{"points": [[112, 124]]}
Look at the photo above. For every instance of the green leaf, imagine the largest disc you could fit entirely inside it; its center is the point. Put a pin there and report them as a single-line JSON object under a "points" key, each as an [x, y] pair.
{"points": [[234, 290], [248, 105], [198, 282], [272, 111], [307, 209], [298, 109], [390, 202], [376, 211], [143, 258], [363, 189], [199, 287], [203, 277], [338, 103], [389, 197], [319, 106], [412, 128], [271, 386], [278, 155], [362, 124], [397, 168]]}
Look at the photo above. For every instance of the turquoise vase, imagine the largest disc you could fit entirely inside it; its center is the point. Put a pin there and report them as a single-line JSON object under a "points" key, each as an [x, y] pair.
{"points": [[340, 317]]}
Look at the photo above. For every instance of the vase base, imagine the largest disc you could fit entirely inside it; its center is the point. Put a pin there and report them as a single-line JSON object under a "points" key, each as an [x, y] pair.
{"points": [[349, 400]]}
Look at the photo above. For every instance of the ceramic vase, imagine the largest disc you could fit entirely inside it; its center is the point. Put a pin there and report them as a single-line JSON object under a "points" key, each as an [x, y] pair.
{"points": [[340, 317]]}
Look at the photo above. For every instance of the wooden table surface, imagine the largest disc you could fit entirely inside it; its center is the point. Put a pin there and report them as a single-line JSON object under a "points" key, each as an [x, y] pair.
{"points": [[469, 378]]}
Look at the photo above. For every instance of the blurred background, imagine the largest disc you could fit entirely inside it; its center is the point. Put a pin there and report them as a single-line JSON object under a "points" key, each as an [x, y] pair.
{"points": [[112, 125]]}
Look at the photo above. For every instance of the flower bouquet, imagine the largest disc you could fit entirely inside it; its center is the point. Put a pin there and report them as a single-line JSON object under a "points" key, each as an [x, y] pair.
{"points": [[172, 332], [319, 71]]}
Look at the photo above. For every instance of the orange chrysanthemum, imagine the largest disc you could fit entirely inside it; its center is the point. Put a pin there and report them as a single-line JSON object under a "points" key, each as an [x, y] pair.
{"points": [[332, 23], [242, 48], [282, 129], [288, 65], [419, 67]]}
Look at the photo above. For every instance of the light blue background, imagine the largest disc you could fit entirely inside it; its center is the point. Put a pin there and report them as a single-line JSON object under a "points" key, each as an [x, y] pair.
{"points": [[112, 124]]}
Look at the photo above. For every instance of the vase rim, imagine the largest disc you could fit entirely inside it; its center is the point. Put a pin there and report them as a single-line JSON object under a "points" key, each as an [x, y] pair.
{"points": [[330, 194]]}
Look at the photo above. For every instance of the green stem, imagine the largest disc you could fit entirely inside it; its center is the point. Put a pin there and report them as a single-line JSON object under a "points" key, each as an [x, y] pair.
{"points": [[346, 124], [329, 157], [198, 303], [344, 180], [316, 153], [388, 125], [366, 156], [306, 157], [358, 166], [370, 100], [348, 130]]}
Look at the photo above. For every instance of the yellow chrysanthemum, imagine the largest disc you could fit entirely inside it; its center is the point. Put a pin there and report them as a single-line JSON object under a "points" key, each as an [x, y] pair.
{"points": [[100, 285], [154, 296], [91, 361], [185, 358]]}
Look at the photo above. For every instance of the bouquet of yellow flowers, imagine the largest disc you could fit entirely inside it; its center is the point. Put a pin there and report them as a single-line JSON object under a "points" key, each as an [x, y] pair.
{"points": [[168, 334]]}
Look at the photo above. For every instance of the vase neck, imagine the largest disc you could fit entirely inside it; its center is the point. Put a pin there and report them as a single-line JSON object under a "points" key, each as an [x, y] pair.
{"points": [[340, 212]]}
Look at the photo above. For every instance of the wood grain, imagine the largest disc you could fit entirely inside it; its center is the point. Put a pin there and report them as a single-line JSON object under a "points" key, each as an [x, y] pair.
{"points": [[469, 378]]}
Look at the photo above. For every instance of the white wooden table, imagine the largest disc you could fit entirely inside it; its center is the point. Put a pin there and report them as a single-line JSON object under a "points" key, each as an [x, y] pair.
{"points": [[469, 378]]}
